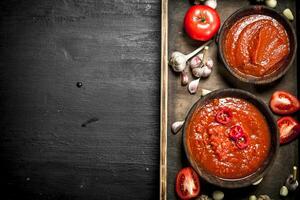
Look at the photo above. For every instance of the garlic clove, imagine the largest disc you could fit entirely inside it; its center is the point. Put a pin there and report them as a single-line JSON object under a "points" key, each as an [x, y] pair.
{"points": [[206, 71], [263, 197], [252, 197], [209, 63], [271, 3], [203, 197], [257, 182], [198, 72], [288, 13], [218, 195], [184, 78], [205, 92], [195, 62], [283, 191], [178, 61], [211, 3], [176, 126], [193, 86]]}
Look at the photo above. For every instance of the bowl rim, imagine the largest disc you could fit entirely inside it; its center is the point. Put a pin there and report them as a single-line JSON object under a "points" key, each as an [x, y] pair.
{"points": [[252, 178], [257, 8]]}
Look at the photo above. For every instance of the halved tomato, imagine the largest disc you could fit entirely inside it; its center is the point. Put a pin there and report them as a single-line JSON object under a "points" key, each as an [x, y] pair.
{"points": [[187, 183], [284, 103], [289, 129]]}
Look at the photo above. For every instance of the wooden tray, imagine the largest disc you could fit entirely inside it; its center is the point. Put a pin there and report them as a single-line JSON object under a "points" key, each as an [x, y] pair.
{"points": [[176, 101]]}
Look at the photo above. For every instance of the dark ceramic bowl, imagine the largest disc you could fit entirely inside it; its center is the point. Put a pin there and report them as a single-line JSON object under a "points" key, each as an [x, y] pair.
{"points": [[285, 64], [266, 165]]}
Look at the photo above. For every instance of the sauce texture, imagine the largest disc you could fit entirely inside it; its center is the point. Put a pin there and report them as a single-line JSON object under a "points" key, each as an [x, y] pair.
{"points": [[211, 146], [256, 45]]}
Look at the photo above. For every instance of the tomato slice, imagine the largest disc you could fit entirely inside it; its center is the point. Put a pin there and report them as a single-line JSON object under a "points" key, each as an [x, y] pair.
{"points": [[284, 103], [289, 129], [187, 183], [236, 132], [224, 115]]}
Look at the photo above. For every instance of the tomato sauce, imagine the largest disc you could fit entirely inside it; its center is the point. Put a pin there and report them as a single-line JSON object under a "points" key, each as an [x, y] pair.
{"points": [[213, 149], [256, 45]]}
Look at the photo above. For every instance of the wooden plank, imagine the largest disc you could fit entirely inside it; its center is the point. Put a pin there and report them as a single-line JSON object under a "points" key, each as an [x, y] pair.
{"points": [[113, 48]]}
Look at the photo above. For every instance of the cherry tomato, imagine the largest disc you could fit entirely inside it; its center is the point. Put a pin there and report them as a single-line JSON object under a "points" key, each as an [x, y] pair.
{"points": [[201, 22], [187, 183], [289, 129], [236, 132], [224, 115], [284, 103]]}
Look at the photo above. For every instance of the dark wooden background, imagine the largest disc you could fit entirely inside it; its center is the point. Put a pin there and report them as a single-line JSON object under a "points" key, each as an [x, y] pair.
{"points": [[180, 101], [113, 48]]}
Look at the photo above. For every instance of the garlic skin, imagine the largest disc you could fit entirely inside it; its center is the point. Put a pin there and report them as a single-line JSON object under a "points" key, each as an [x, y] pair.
{"points": [[176, 126], [193, 86], [211, 3], [178, 61], [288, 13], [271, 3]]}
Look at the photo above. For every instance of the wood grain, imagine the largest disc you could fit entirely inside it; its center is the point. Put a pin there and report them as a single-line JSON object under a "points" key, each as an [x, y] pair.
{"points": [[164, 100], [113, 48]]}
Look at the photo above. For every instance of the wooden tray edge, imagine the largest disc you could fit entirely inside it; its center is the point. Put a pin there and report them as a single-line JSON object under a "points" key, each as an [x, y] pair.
{"points": [[164, 100]]}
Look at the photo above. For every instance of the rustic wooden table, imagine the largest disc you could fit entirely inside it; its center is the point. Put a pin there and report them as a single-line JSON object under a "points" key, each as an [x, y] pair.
{"points": [[113, 48]]}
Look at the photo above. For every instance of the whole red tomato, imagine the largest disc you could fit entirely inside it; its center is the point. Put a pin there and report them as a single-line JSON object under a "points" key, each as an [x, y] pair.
{"points": [[201, 22]]}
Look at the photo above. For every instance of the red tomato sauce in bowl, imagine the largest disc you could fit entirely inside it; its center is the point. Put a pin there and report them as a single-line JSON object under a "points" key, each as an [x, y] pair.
{"points": [[256, 45], [213, 137]]}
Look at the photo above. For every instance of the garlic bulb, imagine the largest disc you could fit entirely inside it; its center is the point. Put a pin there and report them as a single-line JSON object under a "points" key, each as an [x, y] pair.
{"points": [[291, 182], [178, 61], [211, 3], [193, 86]]}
